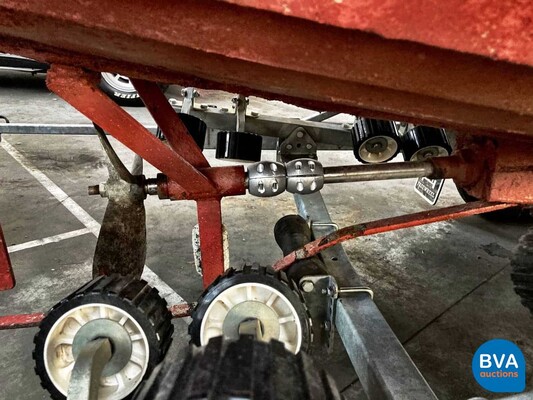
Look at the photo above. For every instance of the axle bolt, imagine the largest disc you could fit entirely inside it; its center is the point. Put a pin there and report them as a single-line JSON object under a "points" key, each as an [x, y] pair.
{"points": [[307, 286]]}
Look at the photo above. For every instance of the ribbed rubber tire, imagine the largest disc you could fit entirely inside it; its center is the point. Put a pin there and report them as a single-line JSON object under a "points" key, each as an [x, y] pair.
{"points": [[522, 269], [255, 274], [241, 369], [132, 295], [513, 214]]}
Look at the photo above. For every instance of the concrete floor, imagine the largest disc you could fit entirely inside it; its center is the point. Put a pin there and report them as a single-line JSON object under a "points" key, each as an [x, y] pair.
{"points": [[443, 288]]}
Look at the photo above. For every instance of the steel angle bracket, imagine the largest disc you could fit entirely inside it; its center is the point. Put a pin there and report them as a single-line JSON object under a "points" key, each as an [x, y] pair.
{"points": [[320, 293]]}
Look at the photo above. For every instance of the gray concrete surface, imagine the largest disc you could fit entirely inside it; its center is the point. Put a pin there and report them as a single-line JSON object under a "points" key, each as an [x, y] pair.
{"points": [[443, 288]]}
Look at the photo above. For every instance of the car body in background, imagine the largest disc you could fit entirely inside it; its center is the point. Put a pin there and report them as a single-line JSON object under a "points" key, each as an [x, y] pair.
{"points": [[117, 86]]}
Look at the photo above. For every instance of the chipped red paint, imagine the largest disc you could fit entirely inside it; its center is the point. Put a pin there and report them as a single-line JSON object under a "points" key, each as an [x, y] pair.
{"points": [[170, 123], [16, 321], [229, 181], [80, 89], [492, 28], [7, 278], [20, 321], [181, 310], [431, 63], [211, 239], [386, 225]]}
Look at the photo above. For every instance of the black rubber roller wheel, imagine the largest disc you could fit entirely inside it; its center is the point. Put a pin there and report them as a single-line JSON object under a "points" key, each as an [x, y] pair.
{"points": [[252, 293], [522, 273], [124, 309], [242, 369]]}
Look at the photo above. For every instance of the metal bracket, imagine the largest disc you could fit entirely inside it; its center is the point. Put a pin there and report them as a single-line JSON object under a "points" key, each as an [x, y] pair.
{"points": [[240, 103], [189, 94], [319, 293], [298, 144], [355, 290]]}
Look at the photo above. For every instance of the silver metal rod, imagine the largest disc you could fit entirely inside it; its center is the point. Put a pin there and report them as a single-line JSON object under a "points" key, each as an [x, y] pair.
{"points": [[378, 172], [320, 116], [87, 371]]}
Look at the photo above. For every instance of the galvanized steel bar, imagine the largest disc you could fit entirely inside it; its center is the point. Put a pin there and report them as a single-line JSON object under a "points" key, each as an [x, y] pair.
{"points": [[383, 366], [381, 363]]}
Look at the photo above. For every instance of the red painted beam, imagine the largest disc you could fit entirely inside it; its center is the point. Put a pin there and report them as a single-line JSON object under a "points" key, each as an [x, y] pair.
{"points": [[211, 239], [386, 225], [80, 89], [170, 123], [315, 53], [7, 278], [229, 181], [20, 321]]}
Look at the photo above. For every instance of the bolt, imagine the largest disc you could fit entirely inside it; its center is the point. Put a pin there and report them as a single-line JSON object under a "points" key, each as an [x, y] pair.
{"points": [[289, 147], [307, 286], [346, 126], [300, 134], [308, 146], [93, 190], [184, 92], [254, 114]]}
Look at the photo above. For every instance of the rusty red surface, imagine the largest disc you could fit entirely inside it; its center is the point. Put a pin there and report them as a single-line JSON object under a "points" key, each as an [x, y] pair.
{"points": [[7, 278], [170, 123], [432, 63], [16, 321], [81, 90], [211, 239], [20, 321], [229, 181], [386, 225], [181, 310], [495, 29]]}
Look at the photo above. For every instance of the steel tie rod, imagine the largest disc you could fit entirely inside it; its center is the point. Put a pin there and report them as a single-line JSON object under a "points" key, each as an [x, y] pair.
{"points": [[385, 225]]}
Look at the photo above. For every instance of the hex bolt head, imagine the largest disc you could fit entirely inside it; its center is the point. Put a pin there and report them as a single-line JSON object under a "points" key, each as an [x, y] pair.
{"points": [[307, 286]]}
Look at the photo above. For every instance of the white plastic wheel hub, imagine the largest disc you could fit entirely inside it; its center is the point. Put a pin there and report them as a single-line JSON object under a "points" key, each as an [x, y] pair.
{"points": [[240, 303], [58, 350], [119, 82], [429, 152], [378, 149]]}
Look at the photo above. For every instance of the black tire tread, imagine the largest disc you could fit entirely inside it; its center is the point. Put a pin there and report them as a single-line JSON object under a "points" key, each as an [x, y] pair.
{"points": [[244, 368], [129, 292], [522, 269], [248, 270]]}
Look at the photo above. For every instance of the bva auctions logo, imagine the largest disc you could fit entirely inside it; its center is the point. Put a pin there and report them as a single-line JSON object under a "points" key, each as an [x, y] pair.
{"points": [[499, 366]]}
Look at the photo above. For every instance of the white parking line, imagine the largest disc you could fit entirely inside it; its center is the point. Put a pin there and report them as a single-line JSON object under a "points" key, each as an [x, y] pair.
{"points": [[84, 217], [47, 240]]}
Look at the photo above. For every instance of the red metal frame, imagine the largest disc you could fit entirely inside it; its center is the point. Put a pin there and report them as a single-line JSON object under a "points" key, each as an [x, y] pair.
{"points": [[30, 320], [211, 239], [7, 278], [189, 173], [386, 225], [20, 321], [209, 216]]}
